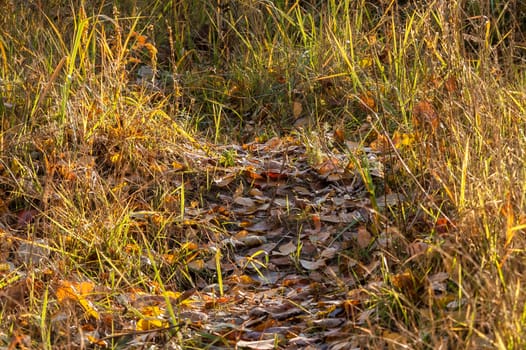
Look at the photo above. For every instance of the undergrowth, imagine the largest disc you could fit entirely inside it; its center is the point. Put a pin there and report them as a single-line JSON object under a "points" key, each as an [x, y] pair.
{"points": [[115, 122]]}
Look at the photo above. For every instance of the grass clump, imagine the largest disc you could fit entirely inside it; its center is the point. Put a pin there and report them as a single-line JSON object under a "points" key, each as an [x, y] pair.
{"points": [[365, 151]]}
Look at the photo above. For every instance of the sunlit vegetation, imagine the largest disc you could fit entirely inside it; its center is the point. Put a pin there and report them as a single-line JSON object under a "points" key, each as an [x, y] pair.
{"points": [[259, 174]]}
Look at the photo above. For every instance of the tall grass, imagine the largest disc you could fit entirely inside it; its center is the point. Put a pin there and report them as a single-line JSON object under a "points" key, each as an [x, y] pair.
{"points": [[91, 141]]}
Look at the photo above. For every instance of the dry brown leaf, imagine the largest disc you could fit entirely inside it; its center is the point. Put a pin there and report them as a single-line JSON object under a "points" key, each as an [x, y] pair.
{"points": [[381, 144], [328, 166], [417, 248], [394, 340], [352, 217], [15, 295], [329, 322], [225, 180], [363, 237], [261, 226], [451, 84], [253, 241], [425, 116], [196, 265], [245, 202], [312, 265], [297, 108], [287, 249], [329, 253], [257, 344]]}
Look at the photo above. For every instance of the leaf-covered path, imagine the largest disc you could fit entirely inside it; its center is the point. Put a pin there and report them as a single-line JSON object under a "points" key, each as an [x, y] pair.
{"points": [[276, 244]]}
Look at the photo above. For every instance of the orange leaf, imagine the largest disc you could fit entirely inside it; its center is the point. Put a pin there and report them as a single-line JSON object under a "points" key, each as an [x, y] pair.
{"points": [[451, 84], [253, 175], [339, 134], [317, 222], [98, 342], [407, 283], [381, 144], [330, 165], [367, 101], [177, 166], [274, 175], [424, 115]]}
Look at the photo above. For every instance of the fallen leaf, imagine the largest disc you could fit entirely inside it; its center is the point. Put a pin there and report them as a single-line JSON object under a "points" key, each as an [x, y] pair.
{"points": [[328, 166], [394, 340], [329, 322], [25, 217], [261, 226], [253, 241], [367, 102], [403, 139], [286, 249], [329, 253], [417, 248], [297, 108], [257, 344], [451, 84], [363, 237], [77, 291], [339, 134], [147, 324], [404, 280], [381, 144], [33, 252], [224, 180], [244, 201], [425, 116], [316, 222], [312, 265]]}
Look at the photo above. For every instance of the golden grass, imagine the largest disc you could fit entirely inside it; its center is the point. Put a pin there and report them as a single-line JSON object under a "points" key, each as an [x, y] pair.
{"points": [[103, 153]]}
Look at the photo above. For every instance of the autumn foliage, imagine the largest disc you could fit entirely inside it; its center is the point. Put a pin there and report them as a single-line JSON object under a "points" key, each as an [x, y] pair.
{"points": [[262, 175]]}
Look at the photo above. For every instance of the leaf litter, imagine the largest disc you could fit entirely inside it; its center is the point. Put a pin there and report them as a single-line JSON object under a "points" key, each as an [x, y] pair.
{"points": [[280, 252]]}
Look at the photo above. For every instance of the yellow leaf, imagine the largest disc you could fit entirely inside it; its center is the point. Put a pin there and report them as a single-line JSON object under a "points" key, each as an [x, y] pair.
{"points": [[149, 324], [77, 291], [152, 50], [73, 290], [404, 280], [132, 248], [401, 139], [115, 158], [85, 288], [366, 62], [88, 307], [151, 311], [177, 166], [98, 342]]}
